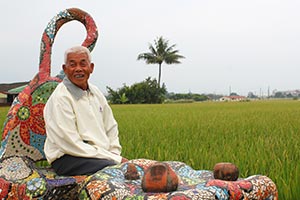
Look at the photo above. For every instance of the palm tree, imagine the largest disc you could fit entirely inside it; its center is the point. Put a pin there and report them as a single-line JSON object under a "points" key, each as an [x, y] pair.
{"points": [[160, 53]]}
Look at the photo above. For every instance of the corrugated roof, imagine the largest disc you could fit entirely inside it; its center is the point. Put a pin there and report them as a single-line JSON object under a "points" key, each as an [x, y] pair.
{"points": [[4, 87], [16, 90]]}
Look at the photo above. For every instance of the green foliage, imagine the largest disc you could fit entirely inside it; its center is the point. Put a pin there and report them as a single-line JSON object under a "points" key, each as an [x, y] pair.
{"points": [[251, 95], [186, 96], [146, 91], [3, 114], [279, 95], [123, 98], [233, 94], [289, 95], [161, 52]]}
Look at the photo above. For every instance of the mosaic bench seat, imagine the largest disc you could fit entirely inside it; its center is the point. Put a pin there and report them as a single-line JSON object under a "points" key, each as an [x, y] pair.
{"points": [[24, 134], [21, 179]]}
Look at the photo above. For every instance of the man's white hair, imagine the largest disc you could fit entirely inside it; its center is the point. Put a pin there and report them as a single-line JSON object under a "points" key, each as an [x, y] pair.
{"points": [[78, 49]]}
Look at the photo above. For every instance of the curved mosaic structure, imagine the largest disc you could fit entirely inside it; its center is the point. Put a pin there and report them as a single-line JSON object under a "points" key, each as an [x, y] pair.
{"points": [[23, 141], [24, 129]]}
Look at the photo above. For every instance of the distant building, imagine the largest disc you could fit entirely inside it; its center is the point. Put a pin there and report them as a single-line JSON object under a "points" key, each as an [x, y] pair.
{"points": [[233, 98], [286, 93], [9, 91], [3, 98]]}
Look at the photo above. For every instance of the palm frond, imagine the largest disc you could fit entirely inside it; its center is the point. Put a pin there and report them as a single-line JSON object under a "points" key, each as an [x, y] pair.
{"points": [[149, 58], [169, 49], [152, 50]]}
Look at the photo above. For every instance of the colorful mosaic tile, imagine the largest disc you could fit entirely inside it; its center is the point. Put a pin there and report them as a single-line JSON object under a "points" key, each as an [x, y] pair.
{"points": [[110, 183]]}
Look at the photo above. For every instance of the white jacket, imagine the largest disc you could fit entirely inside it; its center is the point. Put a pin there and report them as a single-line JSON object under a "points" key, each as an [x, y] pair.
{"points": [[80, 123]]}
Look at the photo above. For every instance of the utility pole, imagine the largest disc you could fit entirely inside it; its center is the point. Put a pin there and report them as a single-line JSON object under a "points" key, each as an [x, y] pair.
{"points": [[260, 93]]}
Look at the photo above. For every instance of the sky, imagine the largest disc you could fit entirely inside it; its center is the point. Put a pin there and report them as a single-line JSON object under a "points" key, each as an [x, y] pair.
{"points": [[236, 46]]}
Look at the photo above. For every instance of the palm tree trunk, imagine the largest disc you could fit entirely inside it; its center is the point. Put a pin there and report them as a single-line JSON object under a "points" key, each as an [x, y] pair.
{"points": [[159, 74]]}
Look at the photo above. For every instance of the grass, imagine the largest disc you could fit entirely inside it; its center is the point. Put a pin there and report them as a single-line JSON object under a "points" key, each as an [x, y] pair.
{"points": [[3, 113], [259, 137]]}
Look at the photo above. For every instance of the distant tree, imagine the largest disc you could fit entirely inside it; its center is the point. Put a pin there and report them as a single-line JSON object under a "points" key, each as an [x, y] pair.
{"points": [[123, 98], [161, 52], [187, 96], [146, 91], [279, 95], [199, 97], [118, 96], [251, 95], [233, 94]]}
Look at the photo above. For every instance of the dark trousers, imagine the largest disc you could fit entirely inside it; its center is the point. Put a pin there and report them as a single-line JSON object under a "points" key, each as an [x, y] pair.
{"points": [[71, 166]]}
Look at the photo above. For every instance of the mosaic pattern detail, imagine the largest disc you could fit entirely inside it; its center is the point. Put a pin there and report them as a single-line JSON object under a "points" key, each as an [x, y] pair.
{"points": [[5, 188], [14, 168], [110, 183], [51, 27], [20, 179], [36, 187]]}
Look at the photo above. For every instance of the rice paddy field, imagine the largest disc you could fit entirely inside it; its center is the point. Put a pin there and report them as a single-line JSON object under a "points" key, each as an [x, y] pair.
{"points": [[260, 137]]}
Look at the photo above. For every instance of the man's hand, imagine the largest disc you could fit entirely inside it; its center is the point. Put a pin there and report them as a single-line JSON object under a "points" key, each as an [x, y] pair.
{"points": [[124, 160]]}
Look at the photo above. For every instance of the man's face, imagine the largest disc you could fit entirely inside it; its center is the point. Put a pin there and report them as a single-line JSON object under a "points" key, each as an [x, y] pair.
{"points": [[78, 69]]}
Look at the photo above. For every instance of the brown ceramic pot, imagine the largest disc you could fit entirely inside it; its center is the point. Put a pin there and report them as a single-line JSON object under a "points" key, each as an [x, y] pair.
{"points": [[226, 171], [159, 177]]}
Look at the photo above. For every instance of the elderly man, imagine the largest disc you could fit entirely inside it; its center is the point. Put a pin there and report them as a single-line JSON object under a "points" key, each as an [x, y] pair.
{"points": [[82, 134]]}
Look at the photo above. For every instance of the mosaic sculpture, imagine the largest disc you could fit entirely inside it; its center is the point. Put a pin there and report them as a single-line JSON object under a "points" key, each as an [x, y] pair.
{"points": [[24, 135]]}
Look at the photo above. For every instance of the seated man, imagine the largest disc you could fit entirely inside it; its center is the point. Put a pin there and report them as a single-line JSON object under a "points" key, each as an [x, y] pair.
{"points": [[82, 134]]}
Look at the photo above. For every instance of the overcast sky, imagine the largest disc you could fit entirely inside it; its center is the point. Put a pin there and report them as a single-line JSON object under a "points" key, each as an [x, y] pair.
{"points": [[245, 45]]}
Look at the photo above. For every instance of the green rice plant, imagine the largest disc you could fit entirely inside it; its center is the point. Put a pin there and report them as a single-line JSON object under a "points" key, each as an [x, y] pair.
{"points": [[3, 113]]}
